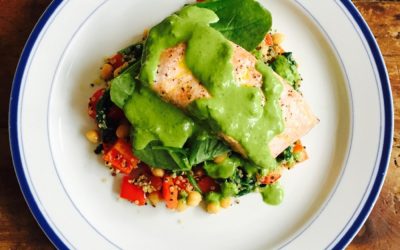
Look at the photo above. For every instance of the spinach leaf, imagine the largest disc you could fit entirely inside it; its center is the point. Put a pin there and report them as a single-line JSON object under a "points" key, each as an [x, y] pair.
{"points": [[179, 155], [156, 158], [244, 22], [122, 86], [170, 158], [206, 148]]}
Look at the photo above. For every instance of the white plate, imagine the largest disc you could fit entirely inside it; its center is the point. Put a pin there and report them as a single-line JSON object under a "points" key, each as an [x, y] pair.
{"points": [[74, 198]]}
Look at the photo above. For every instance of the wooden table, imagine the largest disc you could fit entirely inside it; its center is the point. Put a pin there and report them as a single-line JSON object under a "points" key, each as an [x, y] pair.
{"points": [[18, 229]]}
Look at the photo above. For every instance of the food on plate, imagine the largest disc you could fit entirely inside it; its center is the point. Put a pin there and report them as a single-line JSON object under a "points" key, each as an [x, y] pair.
{"points": [[204, 109]]}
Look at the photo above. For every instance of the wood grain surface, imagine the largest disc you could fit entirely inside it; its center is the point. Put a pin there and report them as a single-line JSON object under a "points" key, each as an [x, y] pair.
{"points": [[18, 228]]}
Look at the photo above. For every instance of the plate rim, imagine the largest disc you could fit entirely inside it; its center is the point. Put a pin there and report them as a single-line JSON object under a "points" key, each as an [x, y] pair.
{"points": [[33, 38], [387, 130], [350, 231]]}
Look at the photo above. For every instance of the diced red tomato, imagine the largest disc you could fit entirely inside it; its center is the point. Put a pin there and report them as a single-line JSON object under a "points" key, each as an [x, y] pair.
{"points": [[116, 60], [271, 178], [268, 40], [156, 182], [170, 192], [144, 171], [207, 184], [132, 192], [94, 99], [120, 156]]}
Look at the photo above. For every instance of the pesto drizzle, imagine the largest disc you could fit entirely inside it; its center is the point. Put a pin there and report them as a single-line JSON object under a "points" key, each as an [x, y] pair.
{"points": [[234, 110]]}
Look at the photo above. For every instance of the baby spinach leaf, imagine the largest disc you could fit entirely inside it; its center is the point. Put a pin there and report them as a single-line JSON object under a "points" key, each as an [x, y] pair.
{"points": [[170, 158], [179, 155], [123, 85], [244, 22], [206, 148], [156, 158]]}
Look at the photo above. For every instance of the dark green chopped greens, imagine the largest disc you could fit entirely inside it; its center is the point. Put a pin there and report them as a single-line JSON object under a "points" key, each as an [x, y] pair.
{"points": [[105, 123], [286, 155], [285, 66], [98, 149], [246, 183], [133, 52], [288, 158], [244, 22]]}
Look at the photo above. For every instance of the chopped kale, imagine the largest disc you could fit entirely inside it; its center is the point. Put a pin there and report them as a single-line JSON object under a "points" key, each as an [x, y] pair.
{"points": [[105, 122], [133, 52], [285, 66]]}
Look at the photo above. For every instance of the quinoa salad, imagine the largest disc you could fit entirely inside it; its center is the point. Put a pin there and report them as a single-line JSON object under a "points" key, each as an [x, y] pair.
{"points": [[205, 108]]}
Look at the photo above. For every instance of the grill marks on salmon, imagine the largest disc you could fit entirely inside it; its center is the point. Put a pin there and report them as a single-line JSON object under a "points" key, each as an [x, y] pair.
{"points": [[176, 84]]}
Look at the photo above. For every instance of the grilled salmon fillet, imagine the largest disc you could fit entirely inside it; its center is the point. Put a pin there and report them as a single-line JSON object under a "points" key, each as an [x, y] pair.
{"points": [[176, 84]]}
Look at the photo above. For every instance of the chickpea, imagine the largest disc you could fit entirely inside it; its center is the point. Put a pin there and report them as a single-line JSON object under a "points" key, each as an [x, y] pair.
{"points": [[213, 208], [93, 136], [159, 172], [220, 158], [106, 71], [278, 38], [181, 205], [122, 130], [154, 198], [194, 199], [225, 202], [278, 49]]}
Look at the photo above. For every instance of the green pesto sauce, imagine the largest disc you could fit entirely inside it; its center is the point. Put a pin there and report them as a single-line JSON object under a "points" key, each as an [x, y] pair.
{"points": [[234, 110], [170, 32], [272, 194], [224, 169], [213, 197], [154, 119], [229, 189]]}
